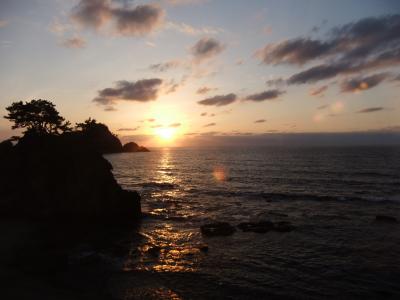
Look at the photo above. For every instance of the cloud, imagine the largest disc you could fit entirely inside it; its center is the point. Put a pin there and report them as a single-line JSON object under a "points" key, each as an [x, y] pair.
{"points": [[394, 129], [322, 106], [184, 2], [92, 13], [175, 125], [74, 43], [142, 91], [203, 114], [297, 51], [219, 100], [318, 73], [125, 20], [128, 129], [190, 30], [260, 121], [171, 87], [110, 108], [210, 124], [162, 67], [205, 90], [59, 28], [151, 120], [266, 95], [206, 48], [318, 91], [276, 82], [362, 83], [370, 110], [138, 21], [156, 126], [3, 23], [368, 44]]}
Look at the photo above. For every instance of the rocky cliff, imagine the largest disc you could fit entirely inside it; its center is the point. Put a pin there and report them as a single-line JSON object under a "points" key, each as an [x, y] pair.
{"points": [[62, 177]]}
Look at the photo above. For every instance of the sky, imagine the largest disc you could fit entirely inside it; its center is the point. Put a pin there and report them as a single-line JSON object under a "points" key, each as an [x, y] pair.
{"points": [[181, 72]]}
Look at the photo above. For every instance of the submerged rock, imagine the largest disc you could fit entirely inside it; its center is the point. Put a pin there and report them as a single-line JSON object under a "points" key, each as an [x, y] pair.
{"points": [[203, 247], [154, 251], [258, 227], [283, 227], [217, 229], [265, 226], [386, 219]]}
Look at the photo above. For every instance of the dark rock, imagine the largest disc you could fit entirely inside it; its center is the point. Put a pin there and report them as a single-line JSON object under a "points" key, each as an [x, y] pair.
{"points": [[203, 247], [217, 229], [154, 251], [258, 227], [283, 227], [60, 177], [386, 219], [133, 147], [100, 138], [6, 147], [87, 258]]}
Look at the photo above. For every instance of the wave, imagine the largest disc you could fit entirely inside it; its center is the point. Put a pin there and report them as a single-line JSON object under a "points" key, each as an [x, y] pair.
{"points": [[287, 196], [159, 185]]}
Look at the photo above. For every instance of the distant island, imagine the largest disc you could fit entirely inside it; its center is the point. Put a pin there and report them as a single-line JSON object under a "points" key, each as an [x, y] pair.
{"points": [[55, 171]]}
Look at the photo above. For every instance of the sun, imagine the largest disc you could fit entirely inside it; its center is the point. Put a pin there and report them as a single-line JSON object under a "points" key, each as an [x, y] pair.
{"points": [[166, 134]]}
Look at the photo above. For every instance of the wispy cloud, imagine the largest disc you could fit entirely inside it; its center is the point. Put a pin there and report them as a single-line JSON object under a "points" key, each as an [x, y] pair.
{"points": [[260, 121], [370, 110], [162, 67], [319, 91], [219, 100], [75, 43], [266, 95], [210, 125], [191, 30], [204, 90], [184, 2], [129, 129]]}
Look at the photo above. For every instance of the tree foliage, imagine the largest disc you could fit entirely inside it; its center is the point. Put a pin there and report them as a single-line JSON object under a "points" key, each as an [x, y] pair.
{"points": [[87, 125], [39, 116]]}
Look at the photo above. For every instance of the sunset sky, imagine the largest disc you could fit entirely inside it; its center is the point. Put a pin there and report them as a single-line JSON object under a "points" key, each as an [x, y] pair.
{"points": [[169, 71]]}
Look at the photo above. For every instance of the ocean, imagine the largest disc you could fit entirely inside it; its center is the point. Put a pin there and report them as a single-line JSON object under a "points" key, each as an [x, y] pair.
{"points": [[331, 195]]}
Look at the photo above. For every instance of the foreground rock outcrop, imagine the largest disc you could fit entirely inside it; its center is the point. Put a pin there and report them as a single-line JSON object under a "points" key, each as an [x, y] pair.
{"points": [[61, 177]]}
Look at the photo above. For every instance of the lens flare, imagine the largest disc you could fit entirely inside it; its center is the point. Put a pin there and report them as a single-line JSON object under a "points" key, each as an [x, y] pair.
{"points": [[220, 173]]}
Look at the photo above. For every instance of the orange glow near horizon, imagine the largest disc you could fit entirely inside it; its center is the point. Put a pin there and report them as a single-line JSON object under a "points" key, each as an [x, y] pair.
{"points": [[165, 134]]}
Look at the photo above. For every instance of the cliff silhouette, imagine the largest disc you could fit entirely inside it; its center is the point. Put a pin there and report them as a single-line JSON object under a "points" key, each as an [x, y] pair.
{"points": [[55, 172]]}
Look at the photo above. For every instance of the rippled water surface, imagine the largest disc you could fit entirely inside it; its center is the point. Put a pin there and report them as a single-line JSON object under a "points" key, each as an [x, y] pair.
{"points": [[330, 195]]}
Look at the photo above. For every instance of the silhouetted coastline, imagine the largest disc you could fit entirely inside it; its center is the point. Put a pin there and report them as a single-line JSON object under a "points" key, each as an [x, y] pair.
{"points": [[57, 192]]}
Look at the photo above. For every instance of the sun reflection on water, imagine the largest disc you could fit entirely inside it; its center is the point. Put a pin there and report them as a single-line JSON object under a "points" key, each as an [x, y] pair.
{"points": [[168, 249], [167, 246]]}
